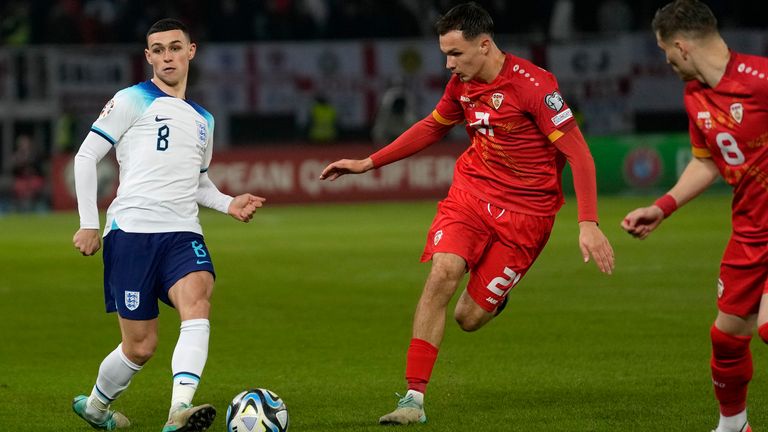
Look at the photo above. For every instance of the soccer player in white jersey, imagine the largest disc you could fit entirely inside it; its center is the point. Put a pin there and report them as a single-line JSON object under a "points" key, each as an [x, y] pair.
{"points": [[153, 244]]}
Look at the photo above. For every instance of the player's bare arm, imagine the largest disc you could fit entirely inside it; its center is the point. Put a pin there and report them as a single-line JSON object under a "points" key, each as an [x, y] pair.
{"points": [[87, 241], [595, 244], [346, 166], [697, 177], [244, 206]]}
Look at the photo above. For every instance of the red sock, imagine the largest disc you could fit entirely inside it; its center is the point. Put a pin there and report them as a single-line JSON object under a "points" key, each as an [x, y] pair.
{"points": [[418, 367], [731, 370]]}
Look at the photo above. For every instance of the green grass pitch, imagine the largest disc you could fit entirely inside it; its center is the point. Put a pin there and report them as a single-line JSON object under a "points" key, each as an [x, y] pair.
{"points": [[315, 303]]}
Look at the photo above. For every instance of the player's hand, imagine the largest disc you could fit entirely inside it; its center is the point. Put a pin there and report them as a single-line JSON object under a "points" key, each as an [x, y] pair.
{"points": [[640, 222], [87, 241], [593, 243], [244, 206], [346, 166]]}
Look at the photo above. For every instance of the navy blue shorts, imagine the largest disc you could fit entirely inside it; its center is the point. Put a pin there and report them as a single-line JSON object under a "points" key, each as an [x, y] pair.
{"points": [[140, 268]]}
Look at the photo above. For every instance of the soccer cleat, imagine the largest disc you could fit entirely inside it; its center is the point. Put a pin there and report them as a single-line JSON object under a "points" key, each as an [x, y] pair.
{"points": [[188, 418], [408, 411], [745, 428], [114, 419]]}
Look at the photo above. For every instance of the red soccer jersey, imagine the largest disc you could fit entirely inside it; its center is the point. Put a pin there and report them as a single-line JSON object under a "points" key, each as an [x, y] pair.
{"points": [[729, 124], [511, 162]]}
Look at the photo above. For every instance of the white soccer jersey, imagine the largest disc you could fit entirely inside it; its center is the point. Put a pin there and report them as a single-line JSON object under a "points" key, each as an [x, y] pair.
{"points": [[162, 144]]}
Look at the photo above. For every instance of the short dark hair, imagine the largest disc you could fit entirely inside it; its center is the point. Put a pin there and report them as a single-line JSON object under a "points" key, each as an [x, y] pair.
{"points": [[690, 17], [469, 18], [168, 24]]}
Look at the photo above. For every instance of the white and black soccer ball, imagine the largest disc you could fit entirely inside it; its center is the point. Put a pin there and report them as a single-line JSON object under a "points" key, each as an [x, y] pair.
{"points": [[257, 410]]}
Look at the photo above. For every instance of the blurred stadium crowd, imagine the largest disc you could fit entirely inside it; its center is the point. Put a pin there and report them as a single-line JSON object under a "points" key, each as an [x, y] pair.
{"points": [[319, 71], [25, 22]]}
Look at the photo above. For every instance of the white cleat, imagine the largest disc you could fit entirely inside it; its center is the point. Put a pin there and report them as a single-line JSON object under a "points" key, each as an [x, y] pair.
{"points": [[188, 418], [745, 428], [408, 411]]}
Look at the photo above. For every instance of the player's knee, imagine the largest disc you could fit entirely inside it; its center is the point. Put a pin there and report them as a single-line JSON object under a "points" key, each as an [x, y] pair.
{"points": [[763, 332], [467, 324], [446, 272], [200, 308], [468, 321], [140, 352]]}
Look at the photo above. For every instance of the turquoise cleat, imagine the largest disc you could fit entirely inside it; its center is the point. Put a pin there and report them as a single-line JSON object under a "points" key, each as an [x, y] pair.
{"points": [[114, 420]]}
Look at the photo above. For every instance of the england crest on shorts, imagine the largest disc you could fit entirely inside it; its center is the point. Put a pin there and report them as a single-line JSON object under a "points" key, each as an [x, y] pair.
{"points": [[132, 299]]}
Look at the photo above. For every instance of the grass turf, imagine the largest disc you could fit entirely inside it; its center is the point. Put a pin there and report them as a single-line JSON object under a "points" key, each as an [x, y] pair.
{"points": [[315, 303]]}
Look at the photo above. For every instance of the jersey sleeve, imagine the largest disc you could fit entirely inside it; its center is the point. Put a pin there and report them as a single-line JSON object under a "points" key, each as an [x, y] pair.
{"points": [[448, 110], [119, 114], [208, 147], [698, 145], [546, 105]]}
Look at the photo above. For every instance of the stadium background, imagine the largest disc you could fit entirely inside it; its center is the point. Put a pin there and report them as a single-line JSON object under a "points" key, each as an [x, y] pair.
{"points": [[577, 352], [285, 75]]}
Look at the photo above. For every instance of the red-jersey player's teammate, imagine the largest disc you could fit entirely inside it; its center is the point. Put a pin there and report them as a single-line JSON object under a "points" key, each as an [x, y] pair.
{"points": [[726, 98], [506, 190]]}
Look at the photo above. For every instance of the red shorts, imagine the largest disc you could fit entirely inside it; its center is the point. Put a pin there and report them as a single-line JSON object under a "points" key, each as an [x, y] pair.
{"points": [[743, 278], [498, 245]]}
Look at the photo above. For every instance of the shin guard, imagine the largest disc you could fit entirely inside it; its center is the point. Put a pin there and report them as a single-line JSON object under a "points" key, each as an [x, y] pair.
{"points": [[420, 361], [731, 370]]}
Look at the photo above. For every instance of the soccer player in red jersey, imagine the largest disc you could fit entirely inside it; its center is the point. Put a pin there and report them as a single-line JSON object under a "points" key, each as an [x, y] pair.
{"points": [[726, 98], [506, 189]]}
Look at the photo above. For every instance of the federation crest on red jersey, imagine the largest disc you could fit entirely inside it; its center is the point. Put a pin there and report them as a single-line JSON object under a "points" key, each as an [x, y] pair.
{"points": [[497, 99], [737, 112]]}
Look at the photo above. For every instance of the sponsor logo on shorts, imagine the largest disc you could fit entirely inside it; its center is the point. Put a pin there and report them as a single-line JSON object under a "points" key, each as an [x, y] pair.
{"points": [[562, 117], [438, 236], [132, 299], [202, 262], [720, 288], [491, 300]]}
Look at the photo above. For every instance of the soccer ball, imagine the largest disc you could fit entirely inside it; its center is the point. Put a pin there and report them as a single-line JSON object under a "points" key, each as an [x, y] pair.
{"points": [[257, 410]]}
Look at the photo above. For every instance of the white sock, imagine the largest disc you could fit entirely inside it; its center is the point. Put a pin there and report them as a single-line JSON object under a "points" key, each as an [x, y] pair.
{"points": [[732, 423], [115, 375], [417, 396], [189, 360]]}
